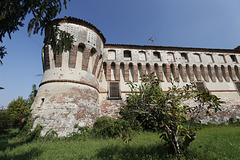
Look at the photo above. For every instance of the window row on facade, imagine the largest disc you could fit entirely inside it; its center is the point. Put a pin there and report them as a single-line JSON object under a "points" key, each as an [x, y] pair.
{"points": [[200, 74], [184, 57], [166, 72]]}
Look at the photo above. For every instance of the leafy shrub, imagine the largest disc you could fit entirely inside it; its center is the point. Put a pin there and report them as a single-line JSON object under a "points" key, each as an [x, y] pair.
{"points": [[25, 129], [231, 120], [81, 135], [106, 127], [5, 121], [17, 110], [148, 106]]}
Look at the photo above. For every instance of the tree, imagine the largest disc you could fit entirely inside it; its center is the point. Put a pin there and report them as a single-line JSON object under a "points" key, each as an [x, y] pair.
{"points": [[32, 95], [17, 110], [13, 13], [148, 106]]}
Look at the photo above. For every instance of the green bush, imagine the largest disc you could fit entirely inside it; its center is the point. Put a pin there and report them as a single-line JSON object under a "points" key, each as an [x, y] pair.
{"points": [[17, 110], [5, 121], [106, 127]]}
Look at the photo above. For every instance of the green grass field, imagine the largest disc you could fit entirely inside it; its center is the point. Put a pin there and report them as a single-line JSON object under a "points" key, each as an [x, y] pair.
{"points": [[216, 142]]}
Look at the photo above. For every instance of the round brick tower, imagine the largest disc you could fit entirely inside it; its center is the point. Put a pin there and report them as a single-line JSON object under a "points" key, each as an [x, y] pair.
{"points": [[69, 91]]}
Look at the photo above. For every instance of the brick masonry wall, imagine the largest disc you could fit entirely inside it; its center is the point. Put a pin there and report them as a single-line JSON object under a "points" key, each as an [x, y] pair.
{"points": [[231, 109], [62, 108], [110, 108]]}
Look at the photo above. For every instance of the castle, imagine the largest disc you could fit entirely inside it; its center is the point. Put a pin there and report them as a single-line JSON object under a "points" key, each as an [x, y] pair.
{"points": [[89, 81]]}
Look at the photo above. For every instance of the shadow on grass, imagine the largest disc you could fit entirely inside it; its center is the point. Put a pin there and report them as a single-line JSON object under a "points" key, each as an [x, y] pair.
{"points": [[9, 140], [30, 154], [7, 146], [4, 140], [128, 152]]}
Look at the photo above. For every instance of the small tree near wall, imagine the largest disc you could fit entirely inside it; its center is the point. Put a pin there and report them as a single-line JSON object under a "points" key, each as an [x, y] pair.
{"points": [[151, 108]]}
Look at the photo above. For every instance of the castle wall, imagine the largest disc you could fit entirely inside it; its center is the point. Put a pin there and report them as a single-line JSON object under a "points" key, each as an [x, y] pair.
{"points": [[90, 80], [217, 70]]}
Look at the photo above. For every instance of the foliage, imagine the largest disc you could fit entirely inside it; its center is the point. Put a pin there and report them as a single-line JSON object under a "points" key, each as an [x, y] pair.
{"points": [[51, 134], [32, 95], [17, 110], [13, 14], [5, 121], [81, 135], [25, 130], [106, 127], [2, 52], [150, 107]]}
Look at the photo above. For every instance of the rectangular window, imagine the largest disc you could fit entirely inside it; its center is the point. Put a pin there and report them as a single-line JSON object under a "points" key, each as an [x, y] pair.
{"points": [[201, 86], [127, 55], [234, 59], [184, 57], [114, 91], [157, 56], [237, 84]]}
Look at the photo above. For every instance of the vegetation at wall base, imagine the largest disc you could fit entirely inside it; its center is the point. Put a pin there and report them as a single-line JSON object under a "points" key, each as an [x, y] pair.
{"points": [[212, 142]]}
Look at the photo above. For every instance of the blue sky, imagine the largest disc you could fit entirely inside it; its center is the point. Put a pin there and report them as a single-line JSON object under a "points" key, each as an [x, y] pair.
{"points": [[183, 23]]}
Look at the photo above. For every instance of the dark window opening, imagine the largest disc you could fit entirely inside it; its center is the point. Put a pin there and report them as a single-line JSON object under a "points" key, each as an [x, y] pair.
{"points": [[234, 59], [201, 86], [184, 57], [127, 55], [114, 92], [81, 47], [157, 55]]}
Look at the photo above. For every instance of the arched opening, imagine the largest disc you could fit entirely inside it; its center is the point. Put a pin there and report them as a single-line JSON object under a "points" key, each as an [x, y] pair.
{"points": [[139, 70], [81, 47], [173, 72], [131, 72], [148, 69], [104, 77], [223, 72], [203, 72], [156, 70], [210, 72], [92, 59], [164, 68], [188, 72], [237, 72], [180, 72], [216, 72], [195, 72], [230, 72], [122, 74], [113, 72]]}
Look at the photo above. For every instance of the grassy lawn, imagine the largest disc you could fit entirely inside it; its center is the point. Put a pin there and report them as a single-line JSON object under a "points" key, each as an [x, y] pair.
{"points": [[220, 142]]}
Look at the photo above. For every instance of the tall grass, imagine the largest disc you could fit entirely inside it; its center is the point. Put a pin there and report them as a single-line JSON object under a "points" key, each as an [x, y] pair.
{"points": [[220, 142]]}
